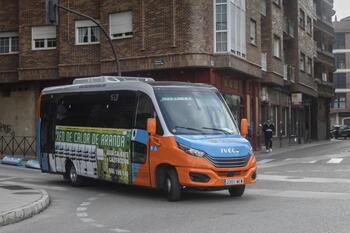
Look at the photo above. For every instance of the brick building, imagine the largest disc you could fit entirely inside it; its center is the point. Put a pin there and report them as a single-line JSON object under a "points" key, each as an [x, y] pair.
{"points": [[219, 42], [340, 108], [297, 87]]}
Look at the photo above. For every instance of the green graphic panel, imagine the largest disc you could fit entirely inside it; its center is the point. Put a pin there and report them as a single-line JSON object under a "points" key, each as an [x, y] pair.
{"points": [[112, 147]]}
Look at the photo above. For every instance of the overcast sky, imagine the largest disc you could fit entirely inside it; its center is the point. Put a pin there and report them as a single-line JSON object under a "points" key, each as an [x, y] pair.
{"points": [[342, 7]]}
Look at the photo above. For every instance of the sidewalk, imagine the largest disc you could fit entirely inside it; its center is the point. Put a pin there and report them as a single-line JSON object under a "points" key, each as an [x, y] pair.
{"points": [[18, 203], [280, 150]]}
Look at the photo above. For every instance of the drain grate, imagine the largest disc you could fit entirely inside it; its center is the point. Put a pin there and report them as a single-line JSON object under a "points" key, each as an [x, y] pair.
{"points": [[26, 193], [14, 187]]}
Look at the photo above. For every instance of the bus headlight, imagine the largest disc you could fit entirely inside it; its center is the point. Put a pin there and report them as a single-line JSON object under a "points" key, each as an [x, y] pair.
{"points": [[191, 151]]}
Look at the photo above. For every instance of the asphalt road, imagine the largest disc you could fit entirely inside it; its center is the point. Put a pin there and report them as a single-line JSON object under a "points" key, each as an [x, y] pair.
{"points": [[300, 191]]}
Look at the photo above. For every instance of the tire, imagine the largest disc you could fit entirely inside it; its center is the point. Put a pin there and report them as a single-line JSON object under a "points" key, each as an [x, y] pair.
{"points": [[172, 185], [236, 191], [74, 178]]}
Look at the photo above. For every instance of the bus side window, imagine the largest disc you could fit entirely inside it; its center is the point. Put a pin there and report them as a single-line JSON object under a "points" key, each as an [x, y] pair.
{"points": [[121, 109], [145, 110]]}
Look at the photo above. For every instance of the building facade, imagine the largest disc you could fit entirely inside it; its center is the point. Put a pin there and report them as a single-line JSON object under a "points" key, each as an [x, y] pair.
{"points": [[297, 87], [242, 47], [340, 107]]}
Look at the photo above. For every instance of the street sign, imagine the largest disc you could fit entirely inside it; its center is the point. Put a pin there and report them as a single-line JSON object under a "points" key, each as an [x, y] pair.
{"points": [[297, 99], [51, 11]]}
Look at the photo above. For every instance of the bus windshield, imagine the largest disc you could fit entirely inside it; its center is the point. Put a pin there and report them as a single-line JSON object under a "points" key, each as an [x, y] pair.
{"points": [[195, 111]]}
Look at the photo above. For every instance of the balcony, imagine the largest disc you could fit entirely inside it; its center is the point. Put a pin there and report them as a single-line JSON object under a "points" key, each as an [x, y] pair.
{"points": [[288, 28], [289, 72]]}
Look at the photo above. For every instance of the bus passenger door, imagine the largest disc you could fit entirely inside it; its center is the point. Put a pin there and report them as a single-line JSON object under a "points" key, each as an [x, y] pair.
{"points": [[139, 145]]}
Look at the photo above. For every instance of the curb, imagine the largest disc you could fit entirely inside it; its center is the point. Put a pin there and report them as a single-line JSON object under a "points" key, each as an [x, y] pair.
{"points": [[27, 211]]}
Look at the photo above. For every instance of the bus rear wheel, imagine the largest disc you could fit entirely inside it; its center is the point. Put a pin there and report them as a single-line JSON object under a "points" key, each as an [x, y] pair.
{"points": [[236, 191], [173, 187], [74, 178]]}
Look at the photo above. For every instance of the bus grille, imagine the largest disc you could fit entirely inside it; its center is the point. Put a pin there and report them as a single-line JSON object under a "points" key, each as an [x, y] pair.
{"points": [[229, 161]]}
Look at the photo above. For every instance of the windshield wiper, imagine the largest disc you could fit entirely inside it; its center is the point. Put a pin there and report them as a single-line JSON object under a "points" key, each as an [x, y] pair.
{"points": [[188, 128], [221, 130]]}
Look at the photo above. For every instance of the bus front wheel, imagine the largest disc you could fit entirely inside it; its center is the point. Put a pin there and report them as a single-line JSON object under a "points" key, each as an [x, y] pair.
{"points": [[236, 191], [172, 186]]}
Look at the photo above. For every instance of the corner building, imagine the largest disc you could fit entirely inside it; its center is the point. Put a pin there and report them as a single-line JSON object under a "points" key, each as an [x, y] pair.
{"points": [[297, 64]]}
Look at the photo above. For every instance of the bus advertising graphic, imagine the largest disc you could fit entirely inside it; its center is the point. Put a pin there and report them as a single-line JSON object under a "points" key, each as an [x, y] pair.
{"points": [[101, 152]]}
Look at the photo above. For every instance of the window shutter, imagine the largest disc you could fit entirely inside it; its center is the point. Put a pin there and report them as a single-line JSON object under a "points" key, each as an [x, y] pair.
{"points": [[120, 23], [44, 32]]}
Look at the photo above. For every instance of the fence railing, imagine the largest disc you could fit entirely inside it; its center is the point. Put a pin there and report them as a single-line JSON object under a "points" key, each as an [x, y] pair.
{"points": [[17, 145]]}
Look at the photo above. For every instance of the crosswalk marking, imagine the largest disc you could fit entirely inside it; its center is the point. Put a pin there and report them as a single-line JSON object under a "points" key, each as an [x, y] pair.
{"points": [[311, 162], [335, 160], [264, 161]]}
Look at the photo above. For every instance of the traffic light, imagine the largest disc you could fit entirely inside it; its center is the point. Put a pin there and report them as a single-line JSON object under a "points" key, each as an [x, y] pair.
{"points": [[51, 12]]}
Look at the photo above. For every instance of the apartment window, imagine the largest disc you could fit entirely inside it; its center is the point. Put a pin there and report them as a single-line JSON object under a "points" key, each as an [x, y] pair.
{"points": [[339, 101], [277, 46], [221, 26], [253, 31], [230, 27], [309, 25], [302, 61], [340, 81], [339, 41], [86, 32], [340, 60], [8, 42], [302, 19], [44, 37], [309, 65], [263, 7], [121, 25]]}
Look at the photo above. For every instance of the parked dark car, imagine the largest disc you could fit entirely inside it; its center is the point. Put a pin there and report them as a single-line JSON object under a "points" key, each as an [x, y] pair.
{"points": [[335, 131], [341, 131]]}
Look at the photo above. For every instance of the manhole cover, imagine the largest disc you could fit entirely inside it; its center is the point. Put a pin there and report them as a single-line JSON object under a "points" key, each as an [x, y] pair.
{"points": [[14, 187], [26, 193]]}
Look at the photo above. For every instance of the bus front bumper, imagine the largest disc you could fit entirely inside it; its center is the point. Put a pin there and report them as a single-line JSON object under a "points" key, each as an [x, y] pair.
{"points": [[212, 179]]}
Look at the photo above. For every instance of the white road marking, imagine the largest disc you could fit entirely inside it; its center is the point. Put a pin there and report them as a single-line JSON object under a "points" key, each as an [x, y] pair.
{"points": [[335, 160], [82, 215], [98, 225], [299, 194], [264, 161], [87, 220], [85, 203], [7, 178], [81, 209], [311, 162], [293, 179], [119, 230]]}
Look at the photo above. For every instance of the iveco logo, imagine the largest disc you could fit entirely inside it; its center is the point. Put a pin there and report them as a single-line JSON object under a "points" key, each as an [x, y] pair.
{"points": [[229, 151]]}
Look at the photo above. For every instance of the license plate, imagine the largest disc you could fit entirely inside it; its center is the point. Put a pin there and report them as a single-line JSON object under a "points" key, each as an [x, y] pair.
{"points": [[234, 181]]}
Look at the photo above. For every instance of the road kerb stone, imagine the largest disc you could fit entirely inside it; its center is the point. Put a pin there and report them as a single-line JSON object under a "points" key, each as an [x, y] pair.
{"points": [[27, 211]]}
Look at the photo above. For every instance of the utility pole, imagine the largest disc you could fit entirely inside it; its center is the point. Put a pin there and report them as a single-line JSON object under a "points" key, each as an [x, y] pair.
{"points": [[52, 7]]}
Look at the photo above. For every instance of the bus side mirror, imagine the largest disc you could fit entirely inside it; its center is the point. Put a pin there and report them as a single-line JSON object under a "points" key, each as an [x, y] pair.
{"points": [[244, 127], [151, 126]]}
